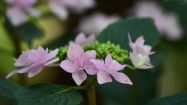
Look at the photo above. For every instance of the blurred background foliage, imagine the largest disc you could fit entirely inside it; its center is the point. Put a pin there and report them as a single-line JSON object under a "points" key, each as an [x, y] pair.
{"points": [[169, 76]]}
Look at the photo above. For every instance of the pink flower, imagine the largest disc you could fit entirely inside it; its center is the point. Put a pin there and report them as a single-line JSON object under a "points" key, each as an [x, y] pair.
{"points": [[140, 53], [167, 23], [33, 61], [61, 7], [110, 68], [82, 40], [20, 10], [78, 61], [96, 23]]}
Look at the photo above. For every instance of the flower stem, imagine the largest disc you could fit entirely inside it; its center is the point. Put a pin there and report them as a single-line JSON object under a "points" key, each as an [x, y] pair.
{"points": [[131, 67], [91, 92]]}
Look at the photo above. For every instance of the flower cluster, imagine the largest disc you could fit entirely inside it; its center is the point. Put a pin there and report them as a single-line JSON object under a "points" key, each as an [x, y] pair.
{"points": [[20, 10], [61, 7], [87, 60], [167, 23]]}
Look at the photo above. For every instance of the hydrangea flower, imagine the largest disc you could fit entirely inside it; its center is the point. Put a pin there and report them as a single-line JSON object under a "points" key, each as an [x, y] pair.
{"points": [[96, 23], [167, 23], [82, 40], [61, 7], [78, 61], [20, 10], [109, 68], [140, 53], [33, 61]]}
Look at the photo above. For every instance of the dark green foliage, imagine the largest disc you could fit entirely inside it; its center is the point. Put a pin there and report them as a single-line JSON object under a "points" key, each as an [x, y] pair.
{"points": [[179, 99], [118, 32], [48, 94]]}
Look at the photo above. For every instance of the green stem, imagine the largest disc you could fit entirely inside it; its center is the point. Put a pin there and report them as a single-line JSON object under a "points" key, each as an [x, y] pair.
{"points": [[131, 67], [91, 93]]}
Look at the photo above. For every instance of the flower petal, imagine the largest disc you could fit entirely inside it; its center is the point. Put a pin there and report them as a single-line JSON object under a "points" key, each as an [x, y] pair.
{"points": [[74, 52], [79, 76], [115, 66], [91, 69], [122, 78], [16, 16], [80, 39], [58, 10], [90, 54], [68, 66], [11, 74], [139, 41], [137, 59], [34, 12], [103, 77], [23, 59], [99, 64], [91, 39], [35, 70], [52, 54], [51, 61], [108, 60]]}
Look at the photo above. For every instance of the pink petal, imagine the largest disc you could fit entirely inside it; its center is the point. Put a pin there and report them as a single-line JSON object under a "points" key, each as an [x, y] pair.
{"points": [[90, 40], [108, 60], [34, 12], [52, 54], [115, 66], [90, 54], [103, 77], [140, 41], [24, 70], [79, 76], [17, 16], [23, 59], [80, 39], [91, 69], [59, 10], [99, 64], [122, 78], [75, 52], [51, 61], [35, 70], [68, 66]]}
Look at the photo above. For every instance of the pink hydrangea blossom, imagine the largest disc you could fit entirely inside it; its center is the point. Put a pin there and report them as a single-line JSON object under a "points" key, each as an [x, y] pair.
{"points": [[82, 40], [77, 61], [96, 23], [167, 23], [110, 68], [33, 61], [140, 53], [20, 10], [61, 7]]}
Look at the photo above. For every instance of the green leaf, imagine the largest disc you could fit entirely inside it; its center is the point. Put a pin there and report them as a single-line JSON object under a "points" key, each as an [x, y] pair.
{"points": [[48, 94], [118, 32], [7, 90], [26, 32], [179, 99]]}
